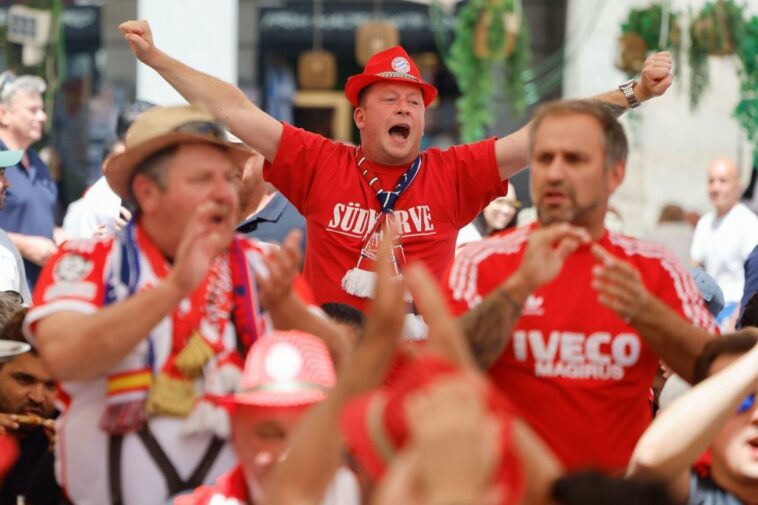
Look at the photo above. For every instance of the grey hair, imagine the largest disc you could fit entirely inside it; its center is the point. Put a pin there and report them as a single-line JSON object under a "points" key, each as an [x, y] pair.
{"points": [[28, 83]]}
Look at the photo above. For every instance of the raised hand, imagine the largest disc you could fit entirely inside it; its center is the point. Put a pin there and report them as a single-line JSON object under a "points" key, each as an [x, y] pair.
{"points": [[619, 284], [455, 438], [656, 75], [137, 33], [207, 235], [8, 423], [283, 265], [547, 249]]}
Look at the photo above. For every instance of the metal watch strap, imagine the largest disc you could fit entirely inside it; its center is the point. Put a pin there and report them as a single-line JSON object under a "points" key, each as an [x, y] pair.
{"points": [[627, 89]]}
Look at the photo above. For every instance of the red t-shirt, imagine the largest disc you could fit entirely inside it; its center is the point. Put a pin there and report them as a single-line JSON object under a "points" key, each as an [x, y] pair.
{"points": [[578, 373], [320, 177]]}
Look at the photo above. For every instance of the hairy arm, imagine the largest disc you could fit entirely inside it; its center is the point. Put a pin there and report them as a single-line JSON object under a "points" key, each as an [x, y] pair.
{"points": [[680, 434], [34, 248], [512, 151], [488, 325], [224, 100], [674, 339]]}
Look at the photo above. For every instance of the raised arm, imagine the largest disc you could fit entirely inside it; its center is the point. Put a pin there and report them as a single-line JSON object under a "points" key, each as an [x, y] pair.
{"points": [[79, 346], [683, 431], [674, 339], [316, 448], [512, 151], [225, 101], [489, 325]]}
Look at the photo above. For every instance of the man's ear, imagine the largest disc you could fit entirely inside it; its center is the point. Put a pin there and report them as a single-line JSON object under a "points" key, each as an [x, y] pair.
{"points": [[359, 116], [3, 114], [616, 176], [146, 193]]}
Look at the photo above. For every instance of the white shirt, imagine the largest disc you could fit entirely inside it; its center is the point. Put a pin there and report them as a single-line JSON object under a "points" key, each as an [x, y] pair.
{"points": [[12, 273], [99, 206], [722, 244]]}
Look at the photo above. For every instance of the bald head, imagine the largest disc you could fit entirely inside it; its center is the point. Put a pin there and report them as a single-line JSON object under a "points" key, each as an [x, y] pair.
{"points": [[724, 185]]}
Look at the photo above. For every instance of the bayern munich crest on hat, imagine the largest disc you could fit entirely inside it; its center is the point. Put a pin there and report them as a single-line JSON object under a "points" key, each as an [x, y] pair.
{"points": [[401, 65], [390, 65]]}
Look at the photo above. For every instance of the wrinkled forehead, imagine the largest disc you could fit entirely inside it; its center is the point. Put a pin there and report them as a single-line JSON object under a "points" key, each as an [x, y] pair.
{"points": [[568, 131]]}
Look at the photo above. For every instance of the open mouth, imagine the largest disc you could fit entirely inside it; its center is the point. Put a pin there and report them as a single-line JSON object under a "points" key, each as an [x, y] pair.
{"points": [[219, 214], [401, 131]]}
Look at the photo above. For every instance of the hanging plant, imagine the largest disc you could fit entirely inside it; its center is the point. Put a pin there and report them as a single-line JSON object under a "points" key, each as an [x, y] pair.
{"points": [[488, 32], [746, 47], [712, 33], [641, 34]]}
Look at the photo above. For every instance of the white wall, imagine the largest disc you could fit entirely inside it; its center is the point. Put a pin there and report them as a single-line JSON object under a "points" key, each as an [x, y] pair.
{"points": [[671, 146], [201, 33]]}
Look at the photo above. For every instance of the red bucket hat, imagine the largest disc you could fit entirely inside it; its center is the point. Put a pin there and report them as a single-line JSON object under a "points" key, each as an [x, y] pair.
{"points": [[375, 427], [284, 369], [392, 64]]}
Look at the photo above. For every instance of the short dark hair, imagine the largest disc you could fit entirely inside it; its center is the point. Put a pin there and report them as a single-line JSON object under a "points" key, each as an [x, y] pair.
{"points": [[733, 344], [343, 313], [749, 315], [615, 144], [594, 488]]}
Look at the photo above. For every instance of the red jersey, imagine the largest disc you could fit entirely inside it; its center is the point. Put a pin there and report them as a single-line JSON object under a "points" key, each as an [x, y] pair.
{"points": [[578, 373], [320, 177]]}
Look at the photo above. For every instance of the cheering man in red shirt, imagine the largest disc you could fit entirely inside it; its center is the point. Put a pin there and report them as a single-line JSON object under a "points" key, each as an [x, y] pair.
{"points": [[345, 193]]}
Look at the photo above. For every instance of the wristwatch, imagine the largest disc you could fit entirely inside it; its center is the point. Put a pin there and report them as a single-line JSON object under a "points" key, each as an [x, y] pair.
{"points": [[628, 90]]}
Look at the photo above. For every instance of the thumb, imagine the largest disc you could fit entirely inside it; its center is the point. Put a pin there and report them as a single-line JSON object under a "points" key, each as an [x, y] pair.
{"points": [[566, 247], [137, 42]]}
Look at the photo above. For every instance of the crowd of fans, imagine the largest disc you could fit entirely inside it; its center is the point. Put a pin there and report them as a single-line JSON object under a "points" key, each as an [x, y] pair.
{"points": [[179, 346]]}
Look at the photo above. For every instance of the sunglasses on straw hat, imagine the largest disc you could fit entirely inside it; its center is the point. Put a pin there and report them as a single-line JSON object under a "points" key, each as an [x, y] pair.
{"points": [[162, 127]]}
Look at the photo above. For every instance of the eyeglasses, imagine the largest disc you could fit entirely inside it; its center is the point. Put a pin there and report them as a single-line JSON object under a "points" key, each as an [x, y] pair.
{"points": [[746, 404], [202, 128]]}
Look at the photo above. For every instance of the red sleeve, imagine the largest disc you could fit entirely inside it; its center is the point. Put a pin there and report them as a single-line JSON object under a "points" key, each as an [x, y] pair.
{"points": [[73, 280], [477, 179], [297, 159], [678, 290]]}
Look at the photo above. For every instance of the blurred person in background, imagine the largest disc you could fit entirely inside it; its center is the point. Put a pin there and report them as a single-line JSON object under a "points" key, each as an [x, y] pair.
{"points": [[498, 215], [285, 374], [673, 231], [30, 204], [27, 393], [12, 271], [725, 237], [705, 445], [100, 210]]}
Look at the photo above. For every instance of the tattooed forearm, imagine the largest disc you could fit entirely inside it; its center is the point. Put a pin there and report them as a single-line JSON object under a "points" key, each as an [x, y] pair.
{"points": [[615, 109], [488, 326]]}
